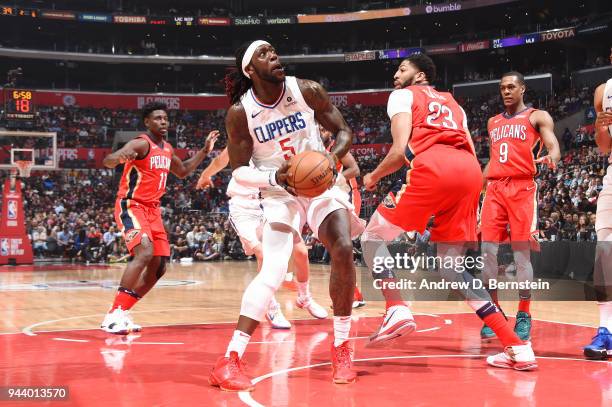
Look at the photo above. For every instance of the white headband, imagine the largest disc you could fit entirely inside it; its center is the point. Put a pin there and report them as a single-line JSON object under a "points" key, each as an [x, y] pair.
{"points": [[248, 55]]}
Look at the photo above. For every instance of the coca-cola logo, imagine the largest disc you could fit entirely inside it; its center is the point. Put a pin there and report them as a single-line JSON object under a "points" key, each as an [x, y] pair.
{"points": [[558, 34]]}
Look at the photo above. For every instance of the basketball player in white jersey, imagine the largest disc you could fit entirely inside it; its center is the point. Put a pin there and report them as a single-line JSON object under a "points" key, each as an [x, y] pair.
{"points": [[601, 345], [350, 170], [272, 118], [246, 217]]}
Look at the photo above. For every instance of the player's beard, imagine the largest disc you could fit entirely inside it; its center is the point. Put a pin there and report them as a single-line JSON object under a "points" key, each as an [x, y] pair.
{"points": [[269, 77], [407, 82]]}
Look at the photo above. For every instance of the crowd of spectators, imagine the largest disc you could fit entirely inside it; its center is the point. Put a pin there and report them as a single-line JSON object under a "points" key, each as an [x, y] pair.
{"points": [[70, 212]]}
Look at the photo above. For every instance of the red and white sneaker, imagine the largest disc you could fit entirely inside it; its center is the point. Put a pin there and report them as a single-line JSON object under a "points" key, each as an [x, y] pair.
{"points": [[228, 374], [311, 306], [398, 321], [342, 364], [518, 357]]}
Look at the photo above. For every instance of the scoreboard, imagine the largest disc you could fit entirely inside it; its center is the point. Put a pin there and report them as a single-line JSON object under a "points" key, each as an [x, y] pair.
{"points": [[19, 104]]}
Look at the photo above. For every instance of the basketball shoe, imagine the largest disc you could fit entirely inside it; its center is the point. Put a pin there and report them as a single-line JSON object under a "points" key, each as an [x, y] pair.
{"points": [[276, 318], [119, 322], [517, 357], [522, 326], [398, 321], [358, 301], [487, 333], [309, 304], [228, 374], [342, 363], [601, 346]]}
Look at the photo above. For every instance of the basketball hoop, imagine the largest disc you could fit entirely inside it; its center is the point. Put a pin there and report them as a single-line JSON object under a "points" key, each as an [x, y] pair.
{"points": [[24, 167]]}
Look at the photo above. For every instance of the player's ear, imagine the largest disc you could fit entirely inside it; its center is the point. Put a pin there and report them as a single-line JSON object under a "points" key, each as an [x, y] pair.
{"points": [[250, 70]]}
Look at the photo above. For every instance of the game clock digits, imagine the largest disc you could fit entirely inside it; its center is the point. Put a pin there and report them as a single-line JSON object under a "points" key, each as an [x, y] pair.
{"points": [[19, 104]]}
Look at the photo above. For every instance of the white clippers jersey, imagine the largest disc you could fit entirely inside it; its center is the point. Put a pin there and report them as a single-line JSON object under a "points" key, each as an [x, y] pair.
{"points": [[235, 189], [607, 106], [283, 129], [607, 101]]}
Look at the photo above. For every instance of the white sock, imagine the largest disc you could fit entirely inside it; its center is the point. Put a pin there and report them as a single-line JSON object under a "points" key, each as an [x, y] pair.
{"points": [[238, 344], [342, 327], [303, 289], [289, 276], [605, 314]]}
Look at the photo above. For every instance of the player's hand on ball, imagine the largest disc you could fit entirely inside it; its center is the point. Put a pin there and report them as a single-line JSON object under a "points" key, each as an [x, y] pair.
{"points": [[548, 161], [211, 139], [204, 181], [282, 175], [126, 156], [369, 182]]}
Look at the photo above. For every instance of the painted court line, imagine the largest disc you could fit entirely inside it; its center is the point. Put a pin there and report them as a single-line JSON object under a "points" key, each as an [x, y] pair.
{"points": [[247, 398]]}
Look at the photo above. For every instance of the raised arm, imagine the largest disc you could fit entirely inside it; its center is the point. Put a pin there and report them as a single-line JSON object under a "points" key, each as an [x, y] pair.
{"points": [[183, 168], [217, 164], [350, 168], [327, 115], [132, 150], [603, 138], [545, 125]]}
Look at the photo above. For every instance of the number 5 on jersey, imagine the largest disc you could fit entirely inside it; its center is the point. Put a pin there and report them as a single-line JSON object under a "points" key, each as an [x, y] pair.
{"points": [[289, 150]]}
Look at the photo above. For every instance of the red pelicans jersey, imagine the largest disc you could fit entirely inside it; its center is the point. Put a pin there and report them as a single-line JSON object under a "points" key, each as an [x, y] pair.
{"points": [[512, 140], [145, 180], [437, 118]]}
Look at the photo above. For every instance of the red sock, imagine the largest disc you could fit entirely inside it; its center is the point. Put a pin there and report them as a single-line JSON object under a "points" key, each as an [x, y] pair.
{"points": [[502, 329], [124, 300], [357, 296], [524, 305]]}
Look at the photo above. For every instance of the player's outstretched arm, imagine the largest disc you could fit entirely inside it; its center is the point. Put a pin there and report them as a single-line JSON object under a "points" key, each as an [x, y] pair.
{"points": [[183, 168], [603, 138], [133, 149], [401, 129], [350, 168], [217, 164], [327, 115], [240, 150], [545, 125]]}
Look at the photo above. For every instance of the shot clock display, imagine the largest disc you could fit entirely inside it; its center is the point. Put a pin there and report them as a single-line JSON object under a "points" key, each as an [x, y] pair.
{"points": [[19, 104]]}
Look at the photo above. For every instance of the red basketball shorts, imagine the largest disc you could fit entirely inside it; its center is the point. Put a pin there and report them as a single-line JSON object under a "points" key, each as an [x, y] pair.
{"points": [[136, 220], [509, 202], [443, 182]]}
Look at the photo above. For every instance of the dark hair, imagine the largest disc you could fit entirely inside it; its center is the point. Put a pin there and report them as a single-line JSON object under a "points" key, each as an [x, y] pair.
{"points": [[424, 64], [519, 76], [151, 107], [236, 83]]}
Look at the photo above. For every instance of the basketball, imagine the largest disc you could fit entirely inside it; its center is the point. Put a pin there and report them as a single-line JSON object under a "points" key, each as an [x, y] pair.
{"points": [[312, 173]]}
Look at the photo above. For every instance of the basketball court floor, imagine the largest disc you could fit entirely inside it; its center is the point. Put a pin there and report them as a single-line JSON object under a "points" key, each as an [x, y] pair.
{"points": [[49, 337]]}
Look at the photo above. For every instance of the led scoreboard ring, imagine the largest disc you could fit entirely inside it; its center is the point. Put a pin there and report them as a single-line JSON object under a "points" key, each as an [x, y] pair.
{"points": [[19, 104]]}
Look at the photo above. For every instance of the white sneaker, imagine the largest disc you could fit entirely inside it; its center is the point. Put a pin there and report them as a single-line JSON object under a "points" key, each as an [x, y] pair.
{"points": [[398, 321], [277, 319], [518, 357], [119, 322], [359, 303], [311, 306]]}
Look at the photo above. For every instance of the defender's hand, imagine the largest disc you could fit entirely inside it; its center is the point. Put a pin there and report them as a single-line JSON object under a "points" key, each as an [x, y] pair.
{"points": [[210, 141], [369, 182]]}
